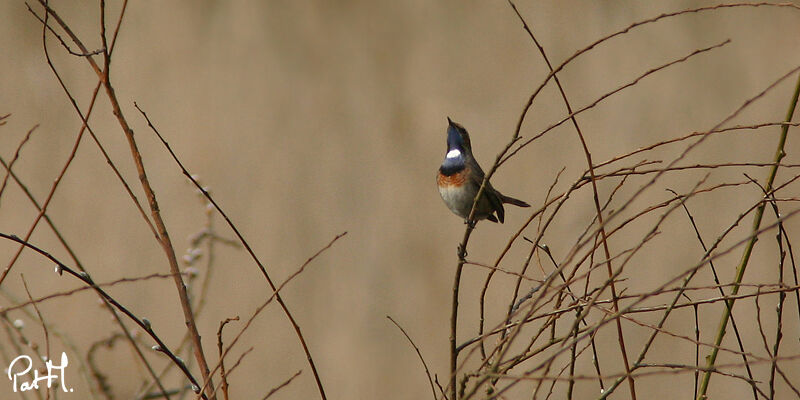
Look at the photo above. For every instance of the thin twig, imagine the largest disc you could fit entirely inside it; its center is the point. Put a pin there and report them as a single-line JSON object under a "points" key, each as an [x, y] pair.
{"points": [[14, 158], [44, 328], [421, 359], [223, 377], [282, 385]]}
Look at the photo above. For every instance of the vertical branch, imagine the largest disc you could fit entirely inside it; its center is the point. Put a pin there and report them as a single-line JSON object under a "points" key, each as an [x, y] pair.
{"points": [[779, 317], [163, 235], [223, 374], [759, 213], [782, 297], [462, 254], [454, 310]]}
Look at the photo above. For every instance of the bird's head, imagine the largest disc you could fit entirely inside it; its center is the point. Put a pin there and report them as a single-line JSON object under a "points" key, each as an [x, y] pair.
{"points": [[458, 148], [457, 137]]}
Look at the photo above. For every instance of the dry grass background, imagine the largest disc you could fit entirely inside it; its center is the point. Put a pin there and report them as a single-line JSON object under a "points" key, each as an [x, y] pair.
{"points": [[307, 119]]}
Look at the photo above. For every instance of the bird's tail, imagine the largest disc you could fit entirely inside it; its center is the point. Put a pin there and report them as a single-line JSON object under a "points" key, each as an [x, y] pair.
{"points": [[511, 200]]}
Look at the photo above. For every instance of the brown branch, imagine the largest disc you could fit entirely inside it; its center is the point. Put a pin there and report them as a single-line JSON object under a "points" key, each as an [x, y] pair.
{"points": [[421, 359], [223, 376], [14, 159], [282, 385], [235, 365]]}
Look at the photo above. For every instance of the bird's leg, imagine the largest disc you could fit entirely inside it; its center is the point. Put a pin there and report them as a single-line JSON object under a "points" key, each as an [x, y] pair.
{"points": [[462, 252]]}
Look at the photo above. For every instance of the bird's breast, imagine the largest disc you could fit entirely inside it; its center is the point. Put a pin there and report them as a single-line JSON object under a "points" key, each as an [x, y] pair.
{"points": [[455, 192], [455, 179]]}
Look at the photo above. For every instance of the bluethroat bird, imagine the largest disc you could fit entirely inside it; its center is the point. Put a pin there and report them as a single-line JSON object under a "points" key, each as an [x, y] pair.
{"points": [[460, 177]]}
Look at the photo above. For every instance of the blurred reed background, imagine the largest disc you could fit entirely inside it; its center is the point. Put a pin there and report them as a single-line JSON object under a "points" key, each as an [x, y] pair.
{"points": [[307, 119]]}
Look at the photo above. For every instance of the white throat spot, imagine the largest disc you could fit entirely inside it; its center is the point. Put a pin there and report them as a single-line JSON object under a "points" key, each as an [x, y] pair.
{"points": [[455, 153]]}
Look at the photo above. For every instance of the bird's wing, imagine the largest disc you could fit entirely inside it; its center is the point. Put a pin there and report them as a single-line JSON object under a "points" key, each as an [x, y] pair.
{"points": [[495, 201]]}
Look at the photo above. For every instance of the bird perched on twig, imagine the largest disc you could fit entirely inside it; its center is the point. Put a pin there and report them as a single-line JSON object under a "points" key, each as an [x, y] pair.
{"points": [[460, 178]]}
